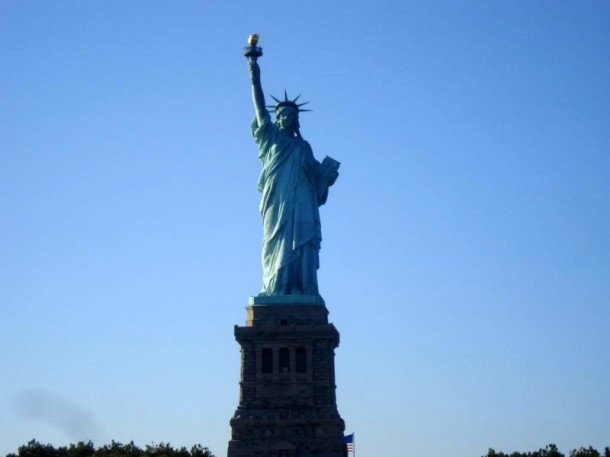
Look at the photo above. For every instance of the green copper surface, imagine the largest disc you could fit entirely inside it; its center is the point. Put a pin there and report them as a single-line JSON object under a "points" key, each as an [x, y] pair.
{"points": [[294, 184]]}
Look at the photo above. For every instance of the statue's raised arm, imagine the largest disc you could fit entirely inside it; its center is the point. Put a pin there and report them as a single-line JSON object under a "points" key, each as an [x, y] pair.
{"points": [[258, 97]]}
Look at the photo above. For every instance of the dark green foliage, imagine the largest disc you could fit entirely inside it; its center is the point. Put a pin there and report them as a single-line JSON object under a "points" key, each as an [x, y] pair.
{"points": [[114, 449], [551, 451], [590, 452]]}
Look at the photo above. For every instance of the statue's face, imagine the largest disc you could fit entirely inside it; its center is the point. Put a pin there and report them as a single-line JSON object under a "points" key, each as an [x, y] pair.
{"points": [[287, 119]]}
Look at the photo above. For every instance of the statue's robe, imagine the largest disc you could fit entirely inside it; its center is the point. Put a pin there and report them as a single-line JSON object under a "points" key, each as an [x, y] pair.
{"points": [[292, 191]]}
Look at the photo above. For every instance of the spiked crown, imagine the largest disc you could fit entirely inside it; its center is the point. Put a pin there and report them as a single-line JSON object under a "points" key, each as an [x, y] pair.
{"points": [[287, 103]]}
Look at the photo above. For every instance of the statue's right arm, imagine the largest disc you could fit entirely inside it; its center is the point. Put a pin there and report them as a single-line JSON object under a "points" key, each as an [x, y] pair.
{"points": [[257, 90]]}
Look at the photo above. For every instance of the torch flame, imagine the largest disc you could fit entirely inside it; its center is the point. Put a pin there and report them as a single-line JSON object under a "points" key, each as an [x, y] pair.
{"points": [[253, 39]]}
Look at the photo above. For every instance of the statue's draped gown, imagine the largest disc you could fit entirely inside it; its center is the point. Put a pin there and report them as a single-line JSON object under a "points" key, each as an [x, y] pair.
{"points": [[291, 189]]}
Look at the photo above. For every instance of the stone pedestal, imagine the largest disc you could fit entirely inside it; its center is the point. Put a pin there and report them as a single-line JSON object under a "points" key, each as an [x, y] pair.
{"points": [[287, 405]]}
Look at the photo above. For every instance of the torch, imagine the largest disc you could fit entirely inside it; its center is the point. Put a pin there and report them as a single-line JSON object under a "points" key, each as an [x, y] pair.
{"points": [[253, 51]]}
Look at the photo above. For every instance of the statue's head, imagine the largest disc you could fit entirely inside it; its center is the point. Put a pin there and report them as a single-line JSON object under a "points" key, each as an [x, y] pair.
{"points": [[287, 113], [287, 118]]}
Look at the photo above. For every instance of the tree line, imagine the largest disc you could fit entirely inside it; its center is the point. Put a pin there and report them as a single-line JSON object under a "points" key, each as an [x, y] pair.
{"points": [[114, 449], [552, 451]]}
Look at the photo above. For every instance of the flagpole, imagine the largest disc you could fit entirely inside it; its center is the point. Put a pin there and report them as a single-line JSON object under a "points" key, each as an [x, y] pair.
{"points": [[354, 444]]}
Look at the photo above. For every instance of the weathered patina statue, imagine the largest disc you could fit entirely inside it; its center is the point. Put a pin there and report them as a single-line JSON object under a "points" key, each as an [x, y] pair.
{"points": [[294, 184]]}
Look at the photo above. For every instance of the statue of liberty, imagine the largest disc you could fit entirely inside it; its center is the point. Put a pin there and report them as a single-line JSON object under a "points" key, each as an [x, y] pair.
{"points": [[294, 184]]}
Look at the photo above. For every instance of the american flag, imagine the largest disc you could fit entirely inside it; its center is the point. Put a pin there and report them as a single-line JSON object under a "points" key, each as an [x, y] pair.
{"points": [[349, 442]]}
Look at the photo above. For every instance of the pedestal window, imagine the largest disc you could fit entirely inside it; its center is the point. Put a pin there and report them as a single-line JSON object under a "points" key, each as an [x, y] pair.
{"points": [[284, 360], [267, 362], [301, 360]]}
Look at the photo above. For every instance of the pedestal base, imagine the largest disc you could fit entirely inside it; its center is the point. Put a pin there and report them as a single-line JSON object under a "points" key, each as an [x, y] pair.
{"points": [[287, 405]]}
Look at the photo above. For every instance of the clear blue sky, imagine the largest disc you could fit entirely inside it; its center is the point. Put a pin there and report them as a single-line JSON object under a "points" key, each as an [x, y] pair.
{"points": [[466, 253]]}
